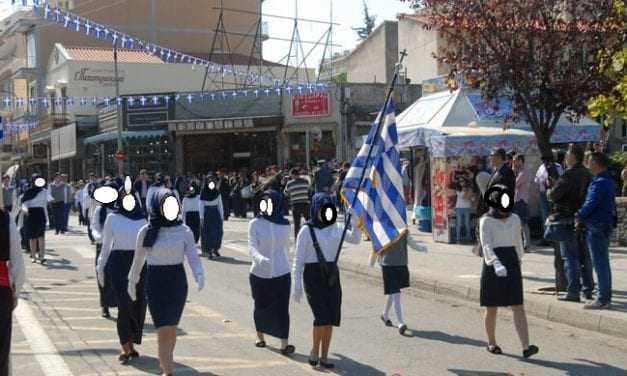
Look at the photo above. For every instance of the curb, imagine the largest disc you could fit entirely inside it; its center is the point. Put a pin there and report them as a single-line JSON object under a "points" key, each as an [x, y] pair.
{"points": [[555, 312]]}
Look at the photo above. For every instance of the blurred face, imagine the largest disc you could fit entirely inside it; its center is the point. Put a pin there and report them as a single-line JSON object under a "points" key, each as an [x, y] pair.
{"points": [[594, 167], [495, 161]]}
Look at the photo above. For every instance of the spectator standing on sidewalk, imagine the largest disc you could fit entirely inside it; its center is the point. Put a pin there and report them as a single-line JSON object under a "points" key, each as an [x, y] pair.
{"points": [[521, 197], [547, 169], [567, 196], [141, 186], [599, 215], [297, 191], [323, 178], [57, 191]]}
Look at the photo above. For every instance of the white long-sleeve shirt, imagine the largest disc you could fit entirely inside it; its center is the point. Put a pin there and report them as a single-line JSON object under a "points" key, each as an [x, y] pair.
{"points": [[542, 176], [217, 202], [190, 204], [268, 245], [40, 201], [16, 266], [96, 227], [497, 233], [328, 238], [173, 244], [119, 233]]}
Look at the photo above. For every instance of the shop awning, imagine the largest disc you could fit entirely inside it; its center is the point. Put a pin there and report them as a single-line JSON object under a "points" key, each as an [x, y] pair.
{"points": [[125, 135]]}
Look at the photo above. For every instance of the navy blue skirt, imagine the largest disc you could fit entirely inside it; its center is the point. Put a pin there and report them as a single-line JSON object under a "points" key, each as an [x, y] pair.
{"points": [[272, 304], [35, 223], [325, 301], [212, 230], [192, 220], [166, 290]]}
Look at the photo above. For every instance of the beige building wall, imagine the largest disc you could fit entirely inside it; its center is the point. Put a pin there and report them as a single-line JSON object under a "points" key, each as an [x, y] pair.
{"points": [[421, 45], [373, 60]]}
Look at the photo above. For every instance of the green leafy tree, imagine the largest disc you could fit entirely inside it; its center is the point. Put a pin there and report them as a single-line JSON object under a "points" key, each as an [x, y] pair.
{"points": [[612, 105], [545, 55], [369, 24]]}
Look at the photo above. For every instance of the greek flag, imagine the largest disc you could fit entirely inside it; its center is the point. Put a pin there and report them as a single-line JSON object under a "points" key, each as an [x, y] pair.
{"points": [[380, 204]]}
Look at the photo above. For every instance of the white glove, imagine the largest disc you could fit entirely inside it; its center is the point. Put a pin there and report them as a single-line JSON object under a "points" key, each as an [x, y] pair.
{"points": [[132, 291], [373, 259], [101, 277], [200, 281], [298, 295], [499, 269]]}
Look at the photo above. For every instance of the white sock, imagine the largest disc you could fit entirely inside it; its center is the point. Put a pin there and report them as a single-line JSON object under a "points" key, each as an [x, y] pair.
{"points": [[397, 308], [386, 310]]}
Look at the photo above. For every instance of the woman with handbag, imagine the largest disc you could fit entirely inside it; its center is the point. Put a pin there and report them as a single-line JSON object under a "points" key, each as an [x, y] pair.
{"points": [[315, 264], [270, 279], [501, 277], [11, 281]]}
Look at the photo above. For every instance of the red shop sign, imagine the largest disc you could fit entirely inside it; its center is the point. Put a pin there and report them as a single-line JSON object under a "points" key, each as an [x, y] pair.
{"points": [[310, 105]]}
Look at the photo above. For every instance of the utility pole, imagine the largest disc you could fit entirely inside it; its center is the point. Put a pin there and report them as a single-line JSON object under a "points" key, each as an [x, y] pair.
{"points": [[118, 112]]}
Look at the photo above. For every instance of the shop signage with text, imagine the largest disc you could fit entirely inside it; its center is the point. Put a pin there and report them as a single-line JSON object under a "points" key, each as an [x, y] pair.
{"points": [[104, 77], [310, 105]]}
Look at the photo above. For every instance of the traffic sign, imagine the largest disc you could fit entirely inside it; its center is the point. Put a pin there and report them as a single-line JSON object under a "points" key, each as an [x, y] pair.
{"points": [[119, 155]]}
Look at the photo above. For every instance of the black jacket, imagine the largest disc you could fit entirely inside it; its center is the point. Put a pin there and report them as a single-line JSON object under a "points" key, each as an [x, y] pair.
{"points": [[569, 192], [504, 176]]}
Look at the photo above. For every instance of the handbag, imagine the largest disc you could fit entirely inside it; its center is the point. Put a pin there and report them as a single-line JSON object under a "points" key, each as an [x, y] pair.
{"points": [[559, 230], [247, 192], [330, 276]]}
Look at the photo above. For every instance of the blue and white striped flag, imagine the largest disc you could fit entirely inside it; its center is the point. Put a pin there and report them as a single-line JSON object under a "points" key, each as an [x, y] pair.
{"points": [[380, 203]]}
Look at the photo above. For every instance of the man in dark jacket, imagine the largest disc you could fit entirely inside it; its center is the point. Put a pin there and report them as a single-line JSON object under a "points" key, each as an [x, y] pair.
{"points": [[567, 196], [323, 178], [599, 215]]}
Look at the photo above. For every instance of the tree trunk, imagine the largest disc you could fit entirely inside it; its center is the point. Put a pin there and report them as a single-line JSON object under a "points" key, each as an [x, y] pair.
{"points": [[544, 142]]}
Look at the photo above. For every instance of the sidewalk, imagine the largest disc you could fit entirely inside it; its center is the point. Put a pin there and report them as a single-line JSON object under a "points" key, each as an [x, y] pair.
{"points": [[452, 270]]}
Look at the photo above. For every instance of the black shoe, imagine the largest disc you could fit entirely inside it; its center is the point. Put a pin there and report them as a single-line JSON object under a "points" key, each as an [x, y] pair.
{"points": [[387, 322], [567, 298], [216, 253], [105, 313], [531, 350], [133, 354], [494, 350], [123, 359], [313, 361], [326, 365], [402, 329], [260, 344], [288, 350], [588, 296]]}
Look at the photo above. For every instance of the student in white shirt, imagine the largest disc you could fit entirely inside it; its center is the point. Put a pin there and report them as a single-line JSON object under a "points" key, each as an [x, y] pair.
{"points": [[11, 281], [191, 210], [35, 208], [211, 216], [501, 277], [97, 222], [315, 264], [119, 238], [270, 279], [163, 244]]}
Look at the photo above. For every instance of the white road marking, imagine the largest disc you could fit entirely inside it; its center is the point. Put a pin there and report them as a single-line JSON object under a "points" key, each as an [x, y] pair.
{"points": [[45, 352]]}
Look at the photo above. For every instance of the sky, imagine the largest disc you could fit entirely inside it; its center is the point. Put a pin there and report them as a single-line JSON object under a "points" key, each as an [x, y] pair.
{"points": [[347, 13]]}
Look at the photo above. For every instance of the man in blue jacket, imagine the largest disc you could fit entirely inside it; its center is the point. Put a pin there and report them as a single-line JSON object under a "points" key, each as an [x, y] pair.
{"points": [[599, 215]]}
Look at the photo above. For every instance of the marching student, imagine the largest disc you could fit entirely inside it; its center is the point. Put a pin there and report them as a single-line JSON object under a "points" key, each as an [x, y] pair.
{"points": [[11, 281], [270, 279], [88, 204], [119, 238], [501, 277], [191, 210], [315, 264], [395, 278], [35, 207], [163, 244], [97, 222], [211, 216]]}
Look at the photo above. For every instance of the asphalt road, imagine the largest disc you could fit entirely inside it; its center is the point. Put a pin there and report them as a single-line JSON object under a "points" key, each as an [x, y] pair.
{"points": [[58, 330]]}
